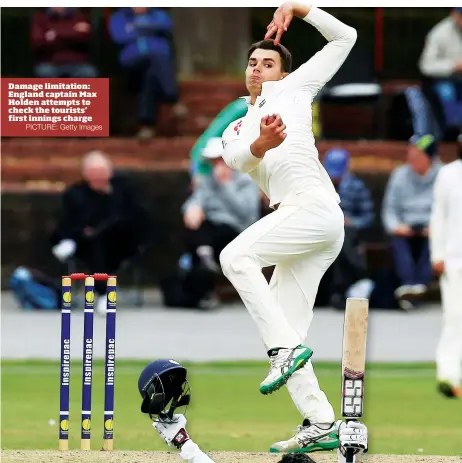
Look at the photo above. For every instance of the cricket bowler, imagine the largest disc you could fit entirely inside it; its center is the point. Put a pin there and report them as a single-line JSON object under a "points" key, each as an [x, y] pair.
{"points": [[274, 144], [446, 257]]}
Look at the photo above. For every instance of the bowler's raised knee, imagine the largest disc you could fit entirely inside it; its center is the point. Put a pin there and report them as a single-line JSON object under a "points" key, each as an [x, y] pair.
{"points": [[235, 261]]}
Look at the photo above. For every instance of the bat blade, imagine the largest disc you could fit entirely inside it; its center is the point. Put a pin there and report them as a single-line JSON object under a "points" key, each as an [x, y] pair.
{"points": [[354, 360]]}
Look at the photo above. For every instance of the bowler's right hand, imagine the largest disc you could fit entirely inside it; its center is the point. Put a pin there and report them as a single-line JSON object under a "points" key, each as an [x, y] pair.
{"points": [[193, 217], [271, 135], [281, 21]]}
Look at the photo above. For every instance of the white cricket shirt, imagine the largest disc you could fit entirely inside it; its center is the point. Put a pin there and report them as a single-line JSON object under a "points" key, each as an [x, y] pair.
{"points": [[446, 216], [293, 167]]}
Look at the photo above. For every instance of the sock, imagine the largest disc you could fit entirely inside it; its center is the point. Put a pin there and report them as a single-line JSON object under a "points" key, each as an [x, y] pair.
{"points": [[325, 426]]}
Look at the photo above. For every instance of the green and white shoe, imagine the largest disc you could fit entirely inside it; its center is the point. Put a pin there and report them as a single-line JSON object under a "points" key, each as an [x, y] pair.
{"points": [[283, 365], [307, 439]]}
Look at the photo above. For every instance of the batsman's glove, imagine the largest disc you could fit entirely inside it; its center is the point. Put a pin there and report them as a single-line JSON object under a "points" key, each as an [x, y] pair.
{"points": [[173, 432], [352, 435]]}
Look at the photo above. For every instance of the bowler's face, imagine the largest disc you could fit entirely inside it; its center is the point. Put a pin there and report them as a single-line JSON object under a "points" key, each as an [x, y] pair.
{"points": [[263, 66]]}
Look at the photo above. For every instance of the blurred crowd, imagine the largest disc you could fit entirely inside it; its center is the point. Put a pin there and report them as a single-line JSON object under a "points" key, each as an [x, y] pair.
{"points": [[102, 224], [62, 37]]}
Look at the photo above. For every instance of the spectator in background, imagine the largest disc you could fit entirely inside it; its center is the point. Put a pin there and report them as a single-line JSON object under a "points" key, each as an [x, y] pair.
{"points": [[357, 206], [446, 257], [145, 35], [222, 206], [100, 222], [201, 167], [61, 41], [441, 66], [406, 213]]}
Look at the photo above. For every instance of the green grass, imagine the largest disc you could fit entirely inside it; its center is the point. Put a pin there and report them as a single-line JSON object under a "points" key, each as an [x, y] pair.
{"points": [[402, 410]]}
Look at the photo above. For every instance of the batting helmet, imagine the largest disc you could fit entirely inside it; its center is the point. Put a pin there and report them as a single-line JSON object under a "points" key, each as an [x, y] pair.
{"points": [[161, 383]]}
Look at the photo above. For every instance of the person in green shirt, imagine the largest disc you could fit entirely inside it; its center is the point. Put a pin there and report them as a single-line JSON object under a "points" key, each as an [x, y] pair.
{"points": [[230, 113]]}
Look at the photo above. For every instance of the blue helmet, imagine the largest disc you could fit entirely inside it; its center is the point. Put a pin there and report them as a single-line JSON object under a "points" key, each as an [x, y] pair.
{"points": [[161, 383]]}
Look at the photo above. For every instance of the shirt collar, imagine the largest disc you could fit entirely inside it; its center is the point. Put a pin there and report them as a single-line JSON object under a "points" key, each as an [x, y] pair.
{"points": [[266, 87]]}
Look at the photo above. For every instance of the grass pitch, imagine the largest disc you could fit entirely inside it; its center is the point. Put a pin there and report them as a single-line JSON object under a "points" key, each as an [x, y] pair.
{"points": [[404, 413], [44, 456]]}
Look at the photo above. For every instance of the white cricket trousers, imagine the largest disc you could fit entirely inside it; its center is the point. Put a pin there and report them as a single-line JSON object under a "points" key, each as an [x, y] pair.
{"points": [[449, 351], [302, 238]]}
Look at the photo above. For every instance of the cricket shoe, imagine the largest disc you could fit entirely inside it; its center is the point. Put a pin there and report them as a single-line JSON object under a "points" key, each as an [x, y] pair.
{"points": [[283, 365], [448, 390], [309, 438], [407, 295]]}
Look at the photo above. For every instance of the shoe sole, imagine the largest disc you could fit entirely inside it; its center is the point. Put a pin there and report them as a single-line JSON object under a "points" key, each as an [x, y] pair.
{"points": [[316, 447], [299, 362]]}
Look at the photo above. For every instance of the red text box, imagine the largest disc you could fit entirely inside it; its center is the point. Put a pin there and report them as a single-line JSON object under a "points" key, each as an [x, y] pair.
{"points": [[43, 107]]}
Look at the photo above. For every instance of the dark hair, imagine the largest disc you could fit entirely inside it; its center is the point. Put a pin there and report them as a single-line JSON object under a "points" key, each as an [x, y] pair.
{"points": [[286, 56], [296, 458]]}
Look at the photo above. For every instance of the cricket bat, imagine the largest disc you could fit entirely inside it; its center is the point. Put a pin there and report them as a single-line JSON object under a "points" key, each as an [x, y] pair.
{"points": [[354, 360]]}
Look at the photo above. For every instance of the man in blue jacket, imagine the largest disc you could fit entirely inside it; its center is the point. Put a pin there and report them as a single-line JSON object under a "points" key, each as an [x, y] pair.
{"points": [[145, 36], [358, 209]]}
